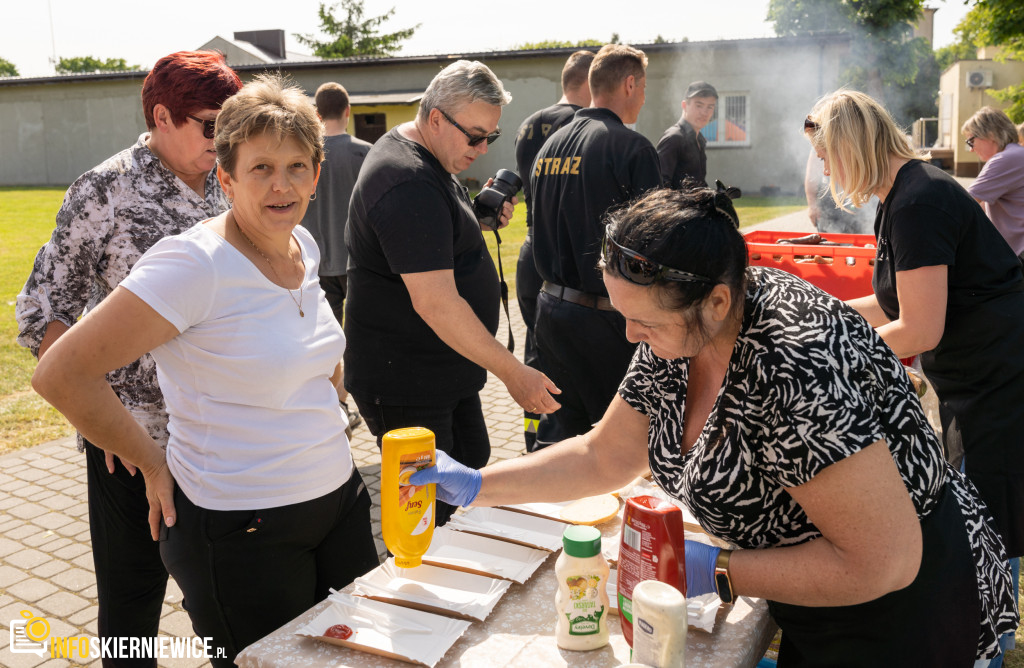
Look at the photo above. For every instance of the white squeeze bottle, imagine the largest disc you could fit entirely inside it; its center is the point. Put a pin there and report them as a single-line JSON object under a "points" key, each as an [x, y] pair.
{"points": [[659, 625], [582, 599]]}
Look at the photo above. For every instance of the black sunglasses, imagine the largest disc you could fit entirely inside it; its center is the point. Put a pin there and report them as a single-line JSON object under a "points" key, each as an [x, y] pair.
{"points": [[810, 126], [970, 142], [637, 269], [474, 140], [208, 126]]}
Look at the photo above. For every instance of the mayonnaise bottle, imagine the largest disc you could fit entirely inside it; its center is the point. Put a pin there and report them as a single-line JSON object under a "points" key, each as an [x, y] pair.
{"points": [[659, 624], [407, 511], [582, 598]]}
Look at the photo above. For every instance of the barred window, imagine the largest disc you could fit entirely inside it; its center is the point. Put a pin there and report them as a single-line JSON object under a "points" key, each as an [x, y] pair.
{"points": [[729, 125]]}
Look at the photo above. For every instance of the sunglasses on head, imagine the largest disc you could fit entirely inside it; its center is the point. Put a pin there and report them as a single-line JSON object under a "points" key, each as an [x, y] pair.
{"points": [[208, 126], [810, 126], [474, 140], [637, 269]]}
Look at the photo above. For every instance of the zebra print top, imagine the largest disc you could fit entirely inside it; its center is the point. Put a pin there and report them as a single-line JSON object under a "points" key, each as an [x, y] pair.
{"points": [[809, 383]]}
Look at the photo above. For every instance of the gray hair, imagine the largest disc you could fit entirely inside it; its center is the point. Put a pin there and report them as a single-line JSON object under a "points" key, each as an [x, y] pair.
{"points": [[463, 82], [991, 124]]}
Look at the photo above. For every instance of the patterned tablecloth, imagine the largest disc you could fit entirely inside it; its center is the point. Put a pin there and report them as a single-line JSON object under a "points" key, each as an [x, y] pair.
{"points": [[520, 633]]}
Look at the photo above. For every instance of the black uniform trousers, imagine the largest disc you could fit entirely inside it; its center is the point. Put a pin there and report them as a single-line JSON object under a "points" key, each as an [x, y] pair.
{"points": [[586, 354], [130, 577], [528, 283], [245, 573], [458, 425]]}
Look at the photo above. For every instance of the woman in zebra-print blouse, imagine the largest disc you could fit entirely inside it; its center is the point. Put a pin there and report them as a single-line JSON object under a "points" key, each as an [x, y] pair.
{"points": [[783, 422]]}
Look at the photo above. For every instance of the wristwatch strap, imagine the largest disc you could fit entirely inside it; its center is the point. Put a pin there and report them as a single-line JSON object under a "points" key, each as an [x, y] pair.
{"points": [[722, 581]]}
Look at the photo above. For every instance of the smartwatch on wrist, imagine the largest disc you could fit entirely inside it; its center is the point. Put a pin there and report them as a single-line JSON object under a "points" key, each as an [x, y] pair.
{"points": [[722, 582]]}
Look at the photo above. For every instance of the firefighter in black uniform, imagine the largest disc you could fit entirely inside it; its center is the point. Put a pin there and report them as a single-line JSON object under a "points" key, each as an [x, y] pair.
{"points": [[532, 134], [681, 149], [590, 165]]}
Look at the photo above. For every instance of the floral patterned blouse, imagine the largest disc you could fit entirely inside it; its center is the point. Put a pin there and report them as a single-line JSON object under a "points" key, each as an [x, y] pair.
{"points": [[112, 215]]}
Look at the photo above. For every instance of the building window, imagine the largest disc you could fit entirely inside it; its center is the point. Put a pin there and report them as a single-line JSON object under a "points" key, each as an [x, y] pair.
{"points": [[730, 124], [370, 127]]}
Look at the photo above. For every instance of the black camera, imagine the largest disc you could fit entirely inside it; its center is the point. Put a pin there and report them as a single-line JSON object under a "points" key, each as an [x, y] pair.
{"points": [[488, 203]]}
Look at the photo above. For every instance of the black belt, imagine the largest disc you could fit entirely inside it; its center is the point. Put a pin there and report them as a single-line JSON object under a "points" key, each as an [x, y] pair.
{"points": [[576, 297]]}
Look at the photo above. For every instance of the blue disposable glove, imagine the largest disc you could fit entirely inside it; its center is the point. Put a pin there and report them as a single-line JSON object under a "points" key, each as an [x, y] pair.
{"points": [[700, 568], [457, 484]]}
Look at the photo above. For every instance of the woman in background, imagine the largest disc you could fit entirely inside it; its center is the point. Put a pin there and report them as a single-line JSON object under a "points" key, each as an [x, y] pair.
{"points": [[1000, 186]]}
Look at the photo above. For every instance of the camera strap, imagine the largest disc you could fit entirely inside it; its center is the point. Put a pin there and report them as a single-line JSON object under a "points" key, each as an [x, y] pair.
{"points": [[504, 295]]}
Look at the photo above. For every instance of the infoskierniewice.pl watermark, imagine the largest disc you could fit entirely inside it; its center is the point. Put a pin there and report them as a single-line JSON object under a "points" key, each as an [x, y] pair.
{"points": [[31, 635]]}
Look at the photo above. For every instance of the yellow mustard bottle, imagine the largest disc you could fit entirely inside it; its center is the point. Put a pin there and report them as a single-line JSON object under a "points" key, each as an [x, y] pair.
{"points": [[407, 511]]}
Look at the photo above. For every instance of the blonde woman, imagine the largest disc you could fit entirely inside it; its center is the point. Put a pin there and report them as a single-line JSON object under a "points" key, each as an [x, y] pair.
{"points": [[257, 504], [946, 287]]}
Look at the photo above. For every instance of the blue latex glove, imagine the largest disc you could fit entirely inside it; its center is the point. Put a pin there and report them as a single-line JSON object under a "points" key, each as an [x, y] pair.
{"points": [[457, 484], [700, 568]]}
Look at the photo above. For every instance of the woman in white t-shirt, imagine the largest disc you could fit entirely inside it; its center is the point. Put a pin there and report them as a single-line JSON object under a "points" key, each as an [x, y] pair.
{"points": [[257, 503]]}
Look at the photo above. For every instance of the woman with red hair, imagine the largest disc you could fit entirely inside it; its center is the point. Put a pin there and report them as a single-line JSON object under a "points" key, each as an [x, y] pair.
{"points": [[162, 185]]}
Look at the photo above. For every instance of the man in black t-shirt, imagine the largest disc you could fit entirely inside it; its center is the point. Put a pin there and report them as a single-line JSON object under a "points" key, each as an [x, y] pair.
{"points": [[681, 149], [532, 134], [422, 305], [590, 165]]}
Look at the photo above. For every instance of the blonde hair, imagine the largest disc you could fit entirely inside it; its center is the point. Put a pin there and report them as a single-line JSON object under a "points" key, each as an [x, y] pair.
{"points": [[992, 124], [859, 136], [269, 104]]}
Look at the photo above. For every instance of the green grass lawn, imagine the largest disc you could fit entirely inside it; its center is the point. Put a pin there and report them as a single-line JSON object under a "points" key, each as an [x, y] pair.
{"points": [[26, 222]]}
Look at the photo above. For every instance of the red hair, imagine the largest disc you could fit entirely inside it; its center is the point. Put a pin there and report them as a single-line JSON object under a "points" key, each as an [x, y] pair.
{"points": [[186, 82]]}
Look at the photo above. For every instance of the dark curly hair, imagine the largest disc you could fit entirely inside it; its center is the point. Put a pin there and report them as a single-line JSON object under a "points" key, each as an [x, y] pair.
{"points": [[695, 231]]}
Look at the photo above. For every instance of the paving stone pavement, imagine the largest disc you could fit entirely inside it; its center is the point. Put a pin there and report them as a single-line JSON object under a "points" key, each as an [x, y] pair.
{"points": [[45, 549]]}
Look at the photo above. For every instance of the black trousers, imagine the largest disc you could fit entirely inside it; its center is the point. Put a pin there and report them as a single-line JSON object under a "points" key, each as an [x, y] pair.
{"points": [[245, 573], [586, 354], [528, 283], [335, 287], [459, 429], [130, 578]]}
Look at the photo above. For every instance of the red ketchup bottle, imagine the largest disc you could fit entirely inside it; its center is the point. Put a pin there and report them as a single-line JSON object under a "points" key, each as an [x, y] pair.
{"points": [[652, 548]]}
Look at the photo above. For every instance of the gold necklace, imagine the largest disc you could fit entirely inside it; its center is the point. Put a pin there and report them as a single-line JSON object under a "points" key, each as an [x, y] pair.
{"points": [[276, 275]]}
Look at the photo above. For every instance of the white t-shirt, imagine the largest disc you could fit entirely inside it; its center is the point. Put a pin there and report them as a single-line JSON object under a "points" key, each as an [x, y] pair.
{"points": [[254, 419]]}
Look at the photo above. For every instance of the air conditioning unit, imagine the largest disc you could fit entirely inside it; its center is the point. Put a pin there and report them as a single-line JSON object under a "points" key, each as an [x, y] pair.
{"points": [[979, 78]]}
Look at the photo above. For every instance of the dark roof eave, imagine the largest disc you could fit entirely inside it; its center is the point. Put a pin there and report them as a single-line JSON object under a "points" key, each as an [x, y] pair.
{"points": [[364, 61]]}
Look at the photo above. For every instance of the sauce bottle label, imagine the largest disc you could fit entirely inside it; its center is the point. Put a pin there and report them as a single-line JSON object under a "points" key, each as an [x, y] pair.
{"points": [[414, 516], [584, 609]]}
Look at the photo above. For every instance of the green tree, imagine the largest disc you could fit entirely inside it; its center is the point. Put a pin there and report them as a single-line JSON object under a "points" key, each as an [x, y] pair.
{"points": [[884, 59], [999, 22], [354, 35], [961, 50], [558, 44], [89, 64], [7, 68]]}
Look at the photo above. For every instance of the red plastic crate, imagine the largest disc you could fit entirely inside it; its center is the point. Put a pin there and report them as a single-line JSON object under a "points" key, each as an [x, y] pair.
{"points": [[846, 273]]}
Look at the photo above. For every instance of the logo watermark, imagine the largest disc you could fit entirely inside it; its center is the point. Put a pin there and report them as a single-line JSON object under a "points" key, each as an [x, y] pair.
{"points": [[31, 635]]}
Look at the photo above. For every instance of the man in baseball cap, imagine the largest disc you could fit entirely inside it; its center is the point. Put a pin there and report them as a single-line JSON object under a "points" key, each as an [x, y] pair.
{"points": [[681, 148]]}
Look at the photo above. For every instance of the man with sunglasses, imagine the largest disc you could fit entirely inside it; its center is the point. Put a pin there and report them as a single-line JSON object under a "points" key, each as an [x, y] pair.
{"points": [[422, 306], [584, 169]]}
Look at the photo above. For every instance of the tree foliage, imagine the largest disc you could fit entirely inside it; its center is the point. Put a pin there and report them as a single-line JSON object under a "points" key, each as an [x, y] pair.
{"points": [[999, 22], [82, 64], [558, 44], [354, 35], [885, 59], [7, 68]]}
